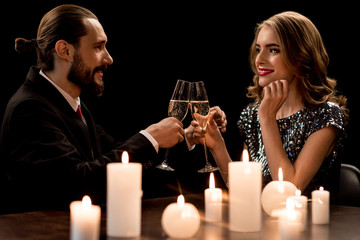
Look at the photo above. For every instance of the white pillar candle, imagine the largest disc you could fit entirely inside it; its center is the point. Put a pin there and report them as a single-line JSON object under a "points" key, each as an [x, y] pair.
{"points": [[300, 203], [180, 220], [244, 195], [123, 210], [213, 201], [320, 206], [290, 221], [84, 220], [275, 193]]}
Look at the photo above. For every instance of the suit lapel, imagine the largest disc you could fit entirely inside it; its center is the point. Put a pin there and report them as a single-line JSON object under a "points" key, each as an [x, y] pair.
{"points": [[91, 130], [80, 134]]}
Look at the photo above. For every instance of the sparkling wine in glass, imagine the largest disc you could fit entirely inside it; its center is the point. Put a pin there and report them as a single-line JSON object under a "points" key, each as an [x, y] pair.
{"points": [[178, 108], [200, 110]]}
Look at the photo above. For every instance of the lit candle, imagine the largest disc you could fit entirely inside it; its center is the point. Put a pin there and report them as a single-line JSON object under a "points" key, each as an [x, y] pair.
{"points": [[275, 193], [300, 203], [84, 220], [123, 210], [180, 220], [290, 220], [213, 201], [244, 195], [320, 206]]}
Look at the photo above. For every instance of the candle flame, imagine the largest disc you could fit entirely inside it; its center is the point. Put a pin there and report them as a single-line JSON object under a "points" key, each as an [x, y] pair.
{"points": [[321, 188], [212, 181], [86, 202], [281, 187], [181, 200], [298, 192], [280, 175], [125, 157], [245, 156]]}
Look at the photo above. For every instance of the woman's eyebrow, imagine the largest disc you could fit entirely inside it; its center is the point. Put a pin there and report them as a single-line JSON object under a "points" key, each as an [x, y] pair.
{"points": [[269, 45]]}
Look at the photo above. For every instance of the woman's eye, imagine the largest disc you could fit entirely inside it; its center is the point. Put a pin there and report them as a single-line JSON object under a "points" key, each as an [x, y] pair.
{"points": [[274, 50]]}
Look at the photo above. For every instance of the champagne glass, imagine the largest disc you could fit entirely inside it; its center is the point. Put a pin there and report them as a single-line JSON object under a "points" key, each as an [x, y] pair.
{"points": [[200, 108], [178, 108]]}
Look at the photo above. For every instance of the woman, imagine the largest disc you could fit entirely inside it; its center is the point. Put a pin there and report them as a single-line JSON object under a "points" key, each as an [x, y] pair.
{"points": [[296, 121]]}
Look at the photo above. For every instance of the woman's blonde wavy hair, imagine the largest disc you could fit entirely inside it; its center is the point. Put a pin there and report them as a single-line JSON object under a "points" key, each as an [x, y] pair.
{"points": [[304, 52]]}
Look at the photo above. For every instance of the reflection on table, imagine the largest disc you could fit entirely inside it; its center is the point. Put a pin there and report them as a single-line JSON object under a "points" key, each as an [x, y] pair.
{"points": [[344, 224]]}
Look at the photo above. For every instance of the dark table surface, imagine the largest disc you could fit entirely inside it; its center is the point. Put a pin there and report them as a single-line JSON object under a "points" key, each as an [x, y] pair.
{"points": [[49, 225]]}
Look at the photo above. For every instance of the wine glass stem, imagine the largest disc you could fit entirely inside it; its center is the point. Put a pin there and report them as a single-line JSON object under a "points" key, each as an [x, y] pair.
{"points": [[206, 156], [166, 156]]}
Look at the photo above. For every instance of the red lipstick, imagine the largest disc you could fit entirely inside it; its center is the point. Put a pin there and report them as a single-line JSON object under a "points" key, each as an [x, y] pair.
{"points": [[264, 71]]}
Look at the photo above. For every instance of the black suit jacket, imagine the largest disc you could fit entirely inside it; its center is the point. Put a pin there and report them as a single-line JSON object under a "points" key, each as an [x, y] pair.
{"points": [[49, 157]]}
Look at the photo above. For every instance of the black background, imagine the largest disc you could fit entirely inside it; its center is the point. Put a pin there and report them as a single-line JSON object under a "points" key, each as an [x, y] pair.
{"points": [[155, 43]]}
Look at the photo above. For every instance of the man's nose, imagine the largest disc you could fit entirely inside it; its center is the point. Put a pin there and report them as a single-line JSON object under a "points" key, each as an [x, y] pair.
{"points": [[108, 60]]}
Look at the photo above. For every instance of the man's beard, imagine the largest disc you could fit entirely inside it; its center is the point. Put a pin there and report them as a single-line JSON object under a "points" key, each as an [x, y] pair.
{"points": [[82, 76]]}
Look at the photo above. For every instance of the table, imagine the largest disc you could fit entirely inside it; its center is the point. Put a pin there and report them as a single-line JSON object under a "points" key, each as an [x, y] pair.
{"points": [[53, 225]]}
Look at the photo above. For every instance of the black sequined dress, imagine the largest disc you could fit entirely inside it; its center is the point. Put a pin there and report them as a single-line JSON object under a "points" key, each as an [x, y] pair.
{"points": [[294, 131]]}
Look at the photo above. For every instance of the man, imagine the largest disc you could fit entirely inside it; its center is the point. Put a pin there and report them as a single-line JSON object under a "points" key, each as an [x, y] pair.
{"points": [[52, 151]]}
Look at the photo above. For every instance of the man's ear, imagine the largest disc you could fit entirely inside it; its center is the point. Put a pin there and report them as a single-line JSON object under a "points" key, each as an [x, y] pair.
{"points": [[64, 50]]}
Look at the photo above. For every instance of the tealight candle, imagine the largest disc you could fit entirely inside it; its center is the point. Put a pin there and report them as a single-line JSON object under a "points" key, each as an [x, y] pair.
{"points": [[300, 203], [320, 206], [123, 210], [244, 195], [290, 220], [180, 219], [275, 193], [213, 201], [84, 220]]}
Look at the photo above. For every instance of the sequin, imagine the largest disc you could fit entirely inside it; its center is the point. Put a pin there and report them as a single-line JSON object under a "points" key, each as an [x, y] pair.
{"points": [[294, 131]]}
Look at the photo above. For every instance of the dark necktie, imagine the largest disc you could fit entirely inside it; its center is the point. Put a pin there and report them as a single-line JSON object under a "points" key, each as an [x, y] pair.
{"points": [[79, 113]]}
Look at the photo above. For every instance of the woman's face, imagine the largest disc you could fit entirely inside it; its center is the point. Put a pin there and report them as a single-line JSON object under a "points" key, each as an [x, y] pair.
{"points": [[269, 61]]}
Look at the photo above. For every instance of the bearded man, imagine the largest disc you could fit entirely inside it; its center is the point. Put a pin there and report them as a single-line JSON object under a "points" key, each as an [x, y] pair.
{"points": [[52, 151]]}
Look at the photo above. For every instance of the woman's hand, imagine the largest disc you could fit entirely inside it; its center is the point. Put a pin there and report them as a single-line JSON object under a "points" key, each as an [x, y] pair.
{"points": [[197, 135], [275, 95], [217, 119]]}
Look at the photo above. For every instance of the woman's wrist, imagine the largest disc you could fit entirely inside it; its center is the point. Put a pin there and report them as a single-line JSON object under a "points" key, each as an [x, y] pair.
{"points": [[218, 147]]}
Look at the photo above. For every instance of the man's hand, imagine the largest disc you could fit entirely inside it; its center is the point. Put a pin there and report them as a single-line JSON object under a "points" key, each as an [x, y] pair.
{"points": [[168, 132]]}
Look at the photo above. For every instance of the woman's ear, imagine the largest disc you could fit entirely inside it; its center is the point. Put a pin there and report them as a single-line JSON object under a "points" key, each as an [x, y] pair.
{"points": [[64, 50]]}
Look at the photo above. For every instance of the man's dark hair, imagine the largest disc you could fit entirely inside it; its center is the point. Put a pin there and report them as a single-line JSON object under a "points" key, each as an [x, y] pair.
{"points": [[65, 22]]}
